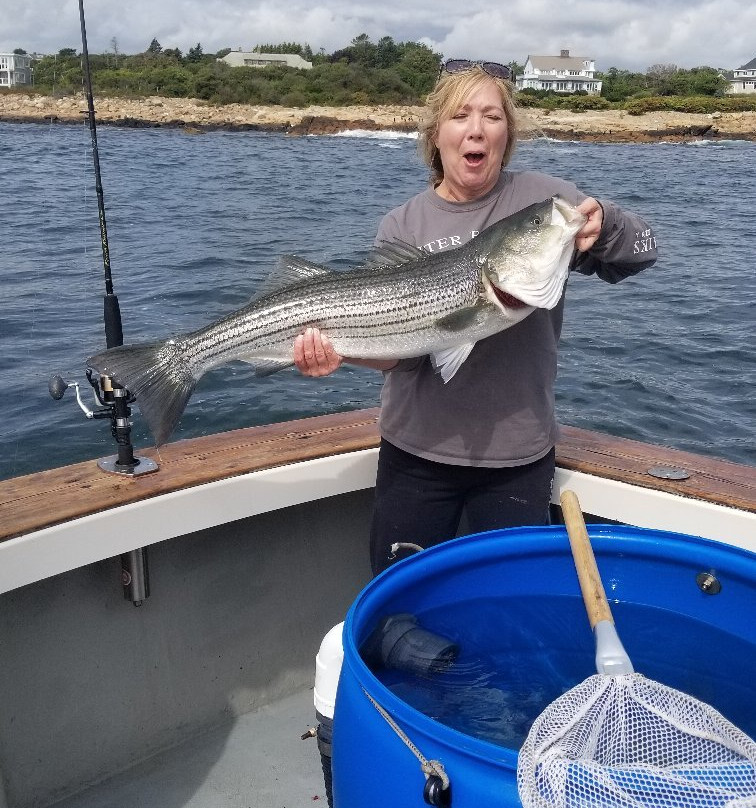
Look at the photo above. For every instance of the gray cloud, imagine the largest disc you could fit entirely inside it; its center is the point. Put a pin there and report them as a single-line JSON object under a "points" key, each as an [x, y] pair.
{"points": [[627, 34]]}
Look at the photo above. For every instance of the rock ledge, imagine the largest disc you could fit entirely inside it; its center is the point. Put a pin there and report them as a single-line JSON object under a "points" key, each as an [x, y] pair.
{"points": [[198, 116]]}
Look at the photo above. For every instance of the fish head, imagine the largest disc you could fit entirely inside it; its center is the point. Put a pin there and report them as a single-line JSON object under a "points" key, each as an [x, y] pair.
{"points": [[525, 258]]}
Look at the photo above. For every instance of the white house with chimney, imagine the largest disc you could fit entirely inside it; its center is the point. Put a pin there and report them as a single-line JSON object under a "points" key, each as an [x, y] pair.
{"points": [[15, 68], [744, 79], [562, 74], [240, 58]]}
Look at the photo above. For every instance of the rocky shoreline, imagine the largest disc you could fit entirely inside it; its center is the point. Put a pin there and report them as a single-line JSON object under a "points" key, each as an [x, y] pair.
{"points": [[198, 116]]}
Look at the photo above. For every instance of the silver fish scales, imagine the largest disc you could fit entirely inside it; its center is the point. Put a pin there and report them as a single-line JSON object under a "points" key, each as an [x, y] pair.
{"points": [[405, 302]]}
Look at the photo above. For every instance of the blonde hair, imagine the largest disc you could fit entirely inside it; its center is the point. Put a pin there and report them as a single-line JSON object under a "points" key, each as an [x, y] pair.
{"points": [[442, 103]]}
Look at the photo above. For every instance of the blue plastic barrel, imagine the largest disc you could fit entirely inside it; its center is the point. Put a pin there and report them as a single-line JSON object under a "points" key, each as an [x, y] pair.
{"points": [[659, 576]]}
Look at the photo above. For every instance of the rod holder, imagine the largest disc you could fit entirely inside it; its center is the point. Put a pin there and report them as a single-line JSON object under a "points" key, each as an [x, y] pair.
{"points": [[135, 576]]}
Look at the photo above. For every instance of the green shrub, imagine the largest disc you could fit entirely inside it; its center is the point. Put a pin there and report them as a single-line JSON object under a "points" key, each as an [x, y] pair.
{"points": [[700, 104], [295, 98], [584, 103], [524, 100]]}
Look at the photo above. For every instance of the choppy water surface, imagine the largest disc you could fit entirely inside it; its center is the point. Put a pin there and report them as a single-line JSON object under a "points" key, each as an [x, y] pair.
{"points": [[196, 222]]}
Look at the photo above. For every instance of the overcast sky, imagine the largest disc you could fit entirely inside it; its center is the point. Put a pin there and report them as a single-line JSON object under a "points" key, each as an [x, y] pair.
{"points": [[627, 34]]}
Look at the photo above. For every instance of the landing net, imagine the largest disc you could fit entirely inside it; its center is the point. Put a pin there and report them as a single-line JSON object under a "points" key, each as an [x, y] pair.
{"points": [[629, 742]]}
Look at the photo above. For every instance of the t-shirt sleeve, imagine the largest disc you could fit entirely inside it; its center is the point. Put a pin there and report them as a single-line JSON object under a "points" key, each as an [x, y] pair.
{"points": [[626, 245]]}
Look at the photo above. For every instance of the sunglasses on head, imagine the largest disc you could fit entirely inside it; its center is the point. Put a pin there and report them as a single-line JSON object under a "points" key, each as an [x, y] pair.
{"points": [[494, 69]]}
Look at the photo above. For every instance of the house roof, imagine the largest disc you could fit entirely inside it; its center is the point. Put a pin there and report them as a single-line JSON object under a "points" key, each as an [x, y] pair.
{"points": [[750, 66], [559, 62], [245, 58]]}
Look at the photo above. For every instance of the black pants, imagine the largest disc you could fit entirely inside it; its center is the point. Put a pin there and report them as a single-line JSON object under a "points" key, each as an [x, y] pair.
{"points": [[421, 502]]}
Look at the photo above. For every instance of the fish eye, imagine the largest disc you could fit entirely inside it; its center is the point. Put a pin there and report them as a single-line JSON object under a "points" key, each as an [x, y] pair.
{"points": [[536, 220]]}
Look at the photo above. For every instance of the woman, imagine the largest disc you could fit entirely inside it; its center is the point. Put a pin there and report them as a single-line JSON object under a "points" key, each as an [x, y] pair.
{"points": [[484, 442]]}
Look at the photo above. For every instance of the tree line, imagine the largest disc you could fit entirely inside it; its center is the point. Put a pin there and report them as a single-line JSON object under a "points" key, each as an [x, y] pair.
{"points": [[364, 72], [386, 72]]}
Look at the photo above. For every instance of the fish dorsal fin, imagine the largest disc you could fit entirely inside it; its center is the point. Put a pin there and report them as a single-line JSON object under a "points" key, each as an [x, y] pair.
{"points": [[290, 269], [448, 362], [394, 254]]}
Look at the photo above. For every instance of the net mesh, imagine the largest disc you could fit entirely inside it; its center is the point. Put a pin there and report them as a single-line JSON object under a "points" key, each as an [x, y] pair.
{"points": [[627, 741]]}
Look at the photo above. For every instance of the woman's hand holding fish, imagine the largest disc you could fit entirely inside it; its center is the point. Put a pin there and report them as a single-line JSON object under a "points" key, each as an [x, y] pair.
{"points": [[314, 355], [586, 238]]}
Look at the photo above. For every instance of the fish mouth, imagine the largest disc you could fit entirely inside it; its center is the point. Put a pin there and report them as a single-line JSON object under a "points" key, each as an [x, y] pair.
{"points": [[510, 301], [565, 213]]}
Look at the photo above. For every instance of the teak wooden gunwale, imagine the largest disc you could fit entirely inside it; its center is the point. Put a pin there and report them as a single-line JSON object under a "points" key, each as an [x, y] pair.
{"points": [[46, 498]]}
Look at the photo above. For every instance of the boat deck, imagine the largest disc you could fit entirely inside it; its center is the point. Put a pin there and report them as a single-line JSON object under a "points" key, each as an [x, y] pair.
{"points": [[108, 705], [258, 761]]}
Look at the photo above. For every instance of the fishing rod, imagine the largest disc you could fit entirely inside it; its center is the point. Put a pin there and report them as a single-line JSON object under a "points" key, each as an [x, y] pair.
{"points": [[114, 399], [112, 309]]}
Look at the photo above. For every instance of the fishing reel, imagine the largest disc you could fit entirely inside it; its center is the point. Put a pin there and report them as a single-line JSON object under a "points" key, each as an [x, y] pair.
{"points": [[114, 404]]}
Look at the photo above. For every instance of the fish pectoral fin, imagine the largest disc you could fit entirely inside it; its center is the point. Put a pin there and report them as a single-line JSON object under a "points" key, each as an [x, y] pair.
{"points": [[448, 362], [289, 270], [460, 320], [267, 367]]}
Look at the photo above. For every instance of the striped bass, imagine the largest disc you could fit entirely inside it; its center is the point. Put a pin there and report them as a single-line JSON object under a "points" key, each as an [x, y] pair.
{"points": [[404, 302]]}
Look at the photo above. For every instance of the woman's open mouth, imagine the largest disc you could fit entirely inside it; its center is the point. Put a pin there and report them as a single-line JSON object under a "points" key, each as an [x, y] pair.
{"points": [[474, 158]]}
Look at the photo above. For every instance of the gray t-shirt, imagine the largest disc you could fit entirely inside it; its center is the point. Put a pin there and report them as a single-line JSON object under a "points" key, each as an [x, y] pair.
{"points": [[498, 409]]}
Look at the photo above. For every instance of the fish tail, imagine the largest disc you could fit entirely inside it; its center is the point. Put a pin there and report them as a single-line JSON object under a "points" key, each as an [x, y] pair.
{"points": [[159, 377]]}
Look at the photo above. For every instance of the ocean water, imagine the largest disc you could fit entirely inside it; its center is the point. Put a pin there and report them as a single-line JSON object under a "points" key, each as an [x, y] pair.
{"points": [[196, 222]]}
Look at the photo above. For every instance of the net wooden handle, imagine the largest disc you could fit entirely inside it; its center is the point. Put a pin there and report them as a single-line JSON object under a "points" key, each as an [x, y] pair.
{"points": [[594, 596]]}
